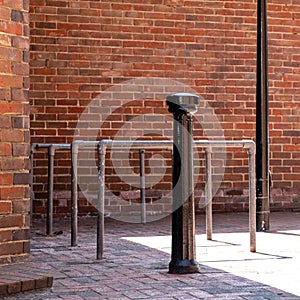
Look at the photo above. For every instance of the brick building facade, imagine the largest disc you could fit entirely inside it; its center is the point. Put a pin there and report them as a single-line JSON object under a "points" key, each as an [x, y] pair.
{"points": [[80, 49], [14, 131]]}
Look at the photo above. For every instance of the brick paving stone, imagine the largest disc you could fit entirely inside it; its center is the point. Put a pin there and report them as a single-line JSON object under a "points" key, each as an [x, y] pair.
{"points": [[72, 297], [228, 297], [153, 292], [201, 294], [21, 277], [103, 289], [133, 271]]}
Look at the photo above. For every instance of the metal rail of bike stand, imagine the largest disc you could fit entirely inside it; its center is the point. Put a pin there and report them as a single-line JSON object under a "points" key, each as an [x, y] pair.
{"points": [[250, 146], [101, 148], [51, 154], [142, 186], [74, 182], [206, 144], [119, 145]]}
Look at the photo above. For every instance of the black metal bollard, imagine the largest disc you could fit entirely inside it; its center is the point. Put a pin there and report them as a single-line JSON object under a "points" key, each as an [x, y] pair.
{"points": [[183, 257]]}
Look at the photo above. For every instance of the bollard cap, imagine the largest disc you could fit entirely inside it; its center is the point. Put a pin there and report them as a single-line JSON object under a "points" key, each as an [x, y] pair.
{"points": [[186, 102]]}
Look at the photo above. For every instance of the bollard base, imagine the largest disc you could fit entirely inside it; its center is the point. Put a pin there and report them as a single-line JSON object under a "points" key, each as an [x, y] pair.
{"points": [[184, 267]]}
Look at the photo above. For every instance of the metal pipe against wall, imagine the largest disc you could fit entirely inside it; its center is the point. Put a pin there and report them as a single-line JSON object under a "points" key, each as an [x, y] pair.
{"points": [[252, 199], [208, 193], [32, 146], [101, 199], [49, 227], [74, 194], [219, 143], [262, 120], [147, 144], [142, 186], [250, 145], [74, 182], [51, 154], [47, 145]]}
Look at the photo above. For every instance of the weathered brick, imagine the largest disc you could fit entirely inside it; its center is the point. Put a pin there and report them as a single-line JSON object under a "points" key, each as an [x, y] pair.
{"points": [[17, 122], [9, 108], [5, 207], [5, 149], [5, 13], [13, 287], [20, 42], [11, 81], [11, 221], [21, 178], [14, 4], [11, 28], [17, 16], [28, 285], [41, 282], [4, 93], [6, 179], [12, 135], [5, 236], [11, 164], [20, 68], [12, 192], [21, 234], [5, 66]]}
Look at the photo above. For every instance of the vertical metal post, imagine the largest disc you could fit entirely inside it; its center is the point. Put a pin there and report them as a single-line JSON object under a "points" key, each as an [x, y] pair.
{"points": [[32, 147], [183, 257], [142, 186], [208, 193], [262, 124], [252, 199], [51, 153], [74, 194], [101, 199]]}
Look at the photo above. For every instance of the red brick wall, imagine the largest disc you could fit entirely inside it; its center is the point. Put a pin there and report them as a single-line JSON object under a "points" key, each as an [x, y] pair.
{"points": [[80, 48], [14, 130]]}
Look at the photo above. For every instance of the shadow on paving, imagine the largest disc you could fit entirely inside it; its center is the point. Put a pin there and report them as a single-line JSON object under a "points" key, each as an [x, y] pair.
{"points": [[131, 270]]}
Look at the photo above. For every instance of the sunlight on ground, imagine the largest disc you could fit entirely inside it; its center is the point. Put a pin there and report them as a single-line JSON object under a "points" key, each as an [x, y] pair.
{"points": [[276, 262]]}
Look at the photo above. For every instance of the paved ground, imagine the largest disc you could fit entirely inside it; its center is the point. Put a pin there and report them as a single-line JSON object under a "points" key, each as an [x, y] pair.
{"points": [[135, 269]]}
